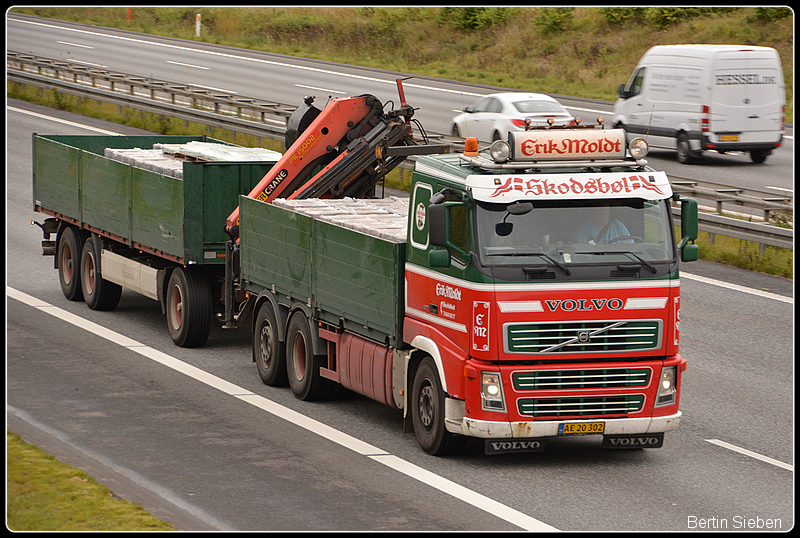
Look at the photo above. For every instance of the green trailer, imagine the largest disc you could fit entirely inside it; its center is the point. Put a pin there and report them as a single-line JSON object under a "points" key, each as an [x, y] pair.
{"points": [[152, 227]]}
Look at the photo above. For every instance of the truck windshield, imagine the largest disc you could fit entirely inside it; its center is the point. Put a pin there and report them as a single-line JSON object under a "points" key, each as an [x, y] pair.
{"points": [[569, 233]]}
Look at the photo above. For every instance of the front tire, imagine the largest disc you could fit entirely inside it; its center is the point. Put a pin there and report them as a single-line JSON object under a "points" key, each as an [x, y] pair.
{"points": [[189, 307], [69, 263], [427, 408]]}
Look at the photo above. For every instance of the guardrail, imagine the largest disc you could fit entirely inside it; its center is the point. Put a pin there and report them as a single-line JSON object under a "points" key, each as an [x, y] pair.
{"points": [[265, 119]]}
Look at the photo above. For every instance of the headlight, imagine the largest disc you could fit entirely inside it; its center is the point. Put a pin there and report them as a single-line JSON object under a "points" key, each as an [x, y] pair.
{"points": [[666, 387], [492, 392], [500, 151], [638, 148]]}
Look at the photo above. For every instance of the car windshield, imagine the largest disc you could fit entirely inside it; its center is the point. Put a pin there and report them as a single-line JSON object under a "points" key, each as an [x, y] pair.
{"points": [[569, 232], [538, 107]]}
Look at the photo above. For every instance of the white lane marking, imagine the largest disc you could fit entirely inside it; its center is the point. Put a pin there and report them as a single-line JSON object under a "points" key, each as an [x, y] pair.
{"points": [[444, 485], [752, 454], [243, 58], [74, 45], [188, 65], [318, 89], [736, 287], [65, 122]]}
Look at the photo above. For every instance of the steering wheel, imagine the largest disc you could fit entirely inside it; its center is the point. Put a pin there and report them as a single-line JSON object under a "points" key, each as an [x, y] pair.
{"points": [[634, 238]]}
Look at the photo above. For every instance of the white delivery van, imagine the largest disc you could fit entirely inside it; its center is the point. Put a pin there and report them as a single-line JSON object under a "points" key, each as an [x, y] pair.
{"points": [[695, 98]]}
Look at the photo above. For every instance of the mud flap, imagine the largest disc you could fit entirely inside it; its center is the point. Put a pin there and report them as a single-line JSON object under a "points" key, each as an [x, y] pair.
{"points": [[644, 440]]}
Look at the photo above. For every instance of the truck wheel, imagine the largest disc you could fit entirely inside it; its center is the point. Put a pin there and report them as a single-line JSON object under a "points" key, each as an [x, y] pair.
{"points": [[69, 263], [302, 366], [189, 307], [427, 412], [268, 351], [99, 294], [759, 157]]}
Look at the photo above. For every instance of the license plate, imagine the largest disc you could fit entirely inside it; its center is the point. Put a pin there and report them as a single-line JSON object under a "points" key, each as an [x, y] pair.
{"points": [[729, 138], [581, 427]]}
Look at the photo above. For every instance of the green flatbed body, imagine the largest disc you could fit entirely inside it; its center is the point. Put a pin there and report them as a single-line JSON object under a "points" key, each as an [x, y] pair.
{"points": [[181, 219], [349, 279]]}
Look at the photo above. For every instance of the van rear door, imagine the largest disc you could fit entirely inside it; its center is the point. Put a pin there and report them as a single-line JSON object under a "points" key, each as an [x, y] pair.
{"points": [[747, 96]]}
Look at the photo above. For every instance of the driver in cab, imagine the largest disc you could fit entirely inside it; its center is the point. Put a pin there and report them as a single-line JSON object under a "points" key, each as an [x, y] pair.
{"points": [[600, 228]]}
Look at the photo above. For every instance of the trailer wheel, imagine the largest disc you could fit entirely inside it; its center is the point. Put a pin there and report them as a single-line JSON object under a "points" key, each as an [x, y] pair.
{"points": [[269, 352], [427, 412], [302, 366], [69, 263], [189, 307], [99, 293]]}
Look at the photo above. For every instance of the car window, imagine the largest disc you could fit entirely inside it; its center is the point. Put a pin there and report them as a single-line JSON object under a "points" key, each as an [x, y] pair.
{"points": [[636, 83], [490, 104], [538, 107]]}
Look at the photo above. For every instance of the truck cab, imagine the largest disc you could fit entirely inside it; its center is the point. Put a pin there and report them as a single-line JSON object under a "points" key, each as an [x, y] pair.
{"points": [[546, 272]]}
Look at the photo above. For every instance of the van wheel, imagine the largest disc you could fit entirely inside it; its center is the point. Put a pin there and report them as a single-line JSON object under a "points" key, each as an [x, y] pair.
{"points": [[302, 366], [759, 157], [98, 293], [68, 259], [189, 307], [268, 351], [427, 412], [685, 153]]}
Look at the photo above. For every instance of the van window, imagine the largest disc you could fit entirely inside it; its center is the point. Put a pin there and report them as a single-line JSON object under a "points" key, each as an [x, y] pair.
{"points": [[636, 83]]}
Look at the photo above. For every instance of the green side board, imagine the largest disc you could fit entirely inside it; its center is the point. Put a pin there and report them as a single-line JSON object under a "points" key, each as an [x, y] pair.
{"points": [[350, 280], [181, 218]]}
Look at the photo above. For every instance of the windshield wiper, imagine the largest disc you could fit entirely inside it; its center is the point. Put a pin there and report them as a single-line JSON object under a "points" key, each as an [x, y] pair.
{"points": [[540, 254], [642, 260]]}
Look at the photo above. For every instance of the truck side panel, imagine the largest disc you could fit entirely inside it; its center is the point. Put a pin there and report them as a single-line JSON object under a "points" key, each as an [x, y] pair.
{"points": [[173, 217], [351, 280], [359, 280]]}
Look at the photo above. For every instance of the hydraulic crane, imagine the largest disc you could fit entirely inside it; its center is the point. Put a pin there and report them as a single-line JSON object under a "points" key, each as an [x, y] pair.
{"points": [[343, 150]]}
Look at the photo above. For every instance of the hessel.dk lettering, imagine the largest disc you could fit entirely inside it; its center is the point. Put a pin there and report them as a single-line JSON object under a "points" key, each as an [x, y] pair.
{"points": [[752, 78]]}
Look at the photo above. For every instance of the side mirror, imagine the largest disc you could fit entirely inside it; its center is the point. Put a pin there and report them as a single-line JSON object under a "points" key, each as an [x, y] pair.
{"points": [[689, 230], [437, 224], [621, 92], [439, 257]]}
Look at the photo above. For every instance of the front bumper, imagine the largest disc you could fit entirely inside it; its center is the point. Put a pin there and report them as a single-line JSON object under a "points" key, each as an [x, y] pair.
{"points": [[549, 428]]}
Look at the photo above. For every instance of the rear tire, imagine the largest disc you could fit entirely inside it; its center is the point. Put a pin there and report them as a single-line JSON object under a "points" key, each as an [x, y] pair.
{"points": [[189, 307], [759, 157], [69, 263], [269, 352], [427, 413], [685, 153], [98, 293], [302, 366]]}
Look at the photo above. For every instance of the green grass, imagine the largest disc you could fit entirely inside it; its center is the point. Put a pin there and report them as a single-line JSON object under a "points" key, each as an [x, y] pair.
{"points": [[44, 494]]}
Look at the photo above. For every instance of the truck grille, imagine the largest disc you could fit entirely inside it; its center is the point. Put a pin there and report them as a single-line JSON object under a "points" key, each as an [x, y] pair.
{"points": [[581, 379], [595, 405], [582, 337]]}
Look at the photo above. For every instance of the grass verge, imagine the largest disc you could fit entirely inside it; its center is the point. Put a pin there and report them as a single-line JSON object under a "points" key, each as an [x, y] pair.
{"points": [[44, 494]]}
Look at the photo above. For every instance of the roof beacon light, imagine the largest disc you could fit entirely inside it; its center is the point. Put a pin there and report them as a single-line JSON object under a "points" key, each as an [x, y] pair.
{"points": [[471, 147]]}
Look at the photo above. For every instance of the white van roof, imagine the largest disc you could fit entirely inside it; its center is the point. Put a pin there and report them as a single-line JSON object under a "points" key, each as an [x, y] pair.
{"points": [[704, 51]]}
